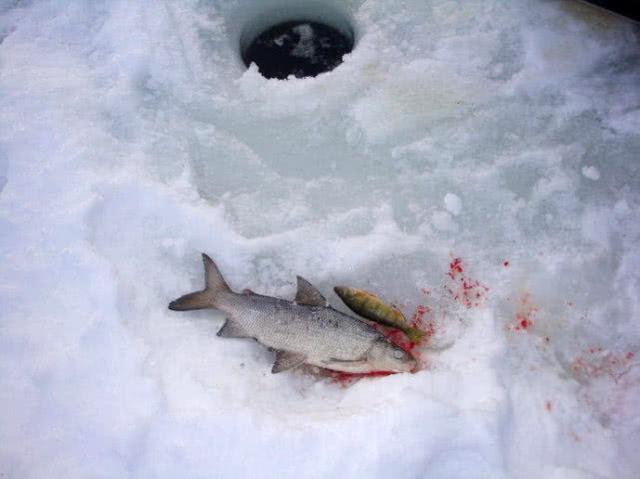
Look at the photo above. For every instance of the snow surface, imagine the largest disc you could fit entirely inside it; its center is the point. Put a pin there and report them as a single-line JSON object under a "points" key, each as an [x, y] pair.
{"points": [[132, 138]]}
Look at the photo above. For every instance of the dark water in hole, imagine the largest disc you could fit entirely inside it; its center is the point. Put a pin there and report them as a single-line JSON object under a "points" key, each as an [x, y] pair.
{"points": [[623, 7], [299, 48]]}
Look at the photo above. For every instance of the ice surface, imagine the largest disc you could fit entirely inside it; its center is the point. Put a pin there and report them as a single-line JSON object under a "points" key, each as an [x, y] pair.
{"points": [[505, 134]]}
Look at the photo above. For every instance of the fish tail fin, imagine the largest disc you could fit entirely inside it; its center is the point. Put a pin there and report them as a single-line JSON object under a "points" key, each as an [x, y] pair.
{"points": [[415, 335], [214, 285], [213, 279]]}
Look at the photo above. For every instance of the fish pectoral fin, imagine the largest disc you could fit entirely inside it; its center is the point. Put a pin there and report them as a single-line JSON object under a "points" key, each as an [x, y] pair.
{"points": [[308, 294], [232, 329], [287, 360]]}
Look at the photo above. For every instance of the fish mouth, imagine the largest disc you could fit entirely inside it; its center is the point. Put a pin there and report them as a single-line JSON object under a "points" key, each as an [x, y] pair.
{"points": [[415, 367], [409, 363], [340, 290], [411, 366]]}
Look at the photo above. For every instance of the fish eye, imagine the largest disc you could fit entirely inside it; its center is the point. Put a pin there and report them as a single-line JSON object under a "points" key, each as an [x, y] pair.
{"points": [[398, 354]]}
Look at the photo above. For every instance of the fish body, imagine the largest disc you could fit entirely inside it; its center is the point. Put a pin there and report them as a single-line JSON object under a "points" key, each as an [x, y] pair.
{"points": [[304, 331], [370, 306]]}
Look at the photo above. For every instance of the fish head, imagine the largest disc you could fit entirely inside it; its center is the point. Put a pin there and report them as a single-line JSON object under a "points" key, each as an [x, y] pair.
{"points": [[386, 356]]}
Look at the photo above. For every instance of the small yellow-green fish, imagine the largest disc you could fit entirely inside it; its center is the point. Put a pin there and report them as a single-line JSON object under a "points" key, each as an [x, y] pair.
{"points": [[369, 306]]}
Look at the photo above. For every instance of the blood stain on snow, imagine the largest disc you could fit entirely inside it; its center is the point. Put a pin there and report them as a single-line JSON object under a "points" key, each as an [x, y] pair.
{"points": [[455, 268], [418, 321], [348, 379], [548, 405], [418, 318], [467, 291], [505, 264], [423, 320], [397, 337], [525, 313], [595, 362]]}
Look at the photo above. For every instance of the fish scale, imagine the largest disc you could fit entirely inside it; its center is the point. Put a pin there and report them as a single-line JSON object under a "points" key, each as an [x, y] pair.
{"points": [[316, 331]]}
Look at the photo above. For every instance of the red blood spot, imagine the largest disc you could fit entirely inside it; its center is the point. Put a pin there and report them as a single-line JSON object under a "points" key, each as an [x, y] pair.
{"points": [[455, 268], [347, 379], [525, 313], [506, 264], [546, 339], [595, 362], [469, 292], [397, 337], [417, 320], [548, 405], [421, 320]]}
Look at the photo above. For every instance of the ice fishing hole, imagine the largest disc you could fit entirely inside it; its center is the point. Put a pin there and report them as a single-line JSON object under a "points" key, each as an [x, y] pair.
{"points": [[303, 48]]}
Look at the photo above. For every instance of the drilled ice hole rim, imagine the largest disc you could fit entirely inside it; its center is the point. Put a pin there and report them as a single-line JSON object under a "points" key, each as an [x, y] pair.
{"points": [[331, 22]]}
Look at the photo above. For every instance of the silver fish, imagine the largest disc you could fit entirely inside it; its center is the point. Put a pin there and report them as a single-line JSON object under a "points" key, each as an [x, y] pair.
{"points": [[305, 331]]}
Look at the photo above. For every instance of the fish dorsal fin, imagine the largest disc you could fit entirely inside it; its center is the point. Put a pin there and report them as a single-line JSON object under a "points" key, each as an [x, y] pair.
{"points": [[308, 294], [287, 360]]}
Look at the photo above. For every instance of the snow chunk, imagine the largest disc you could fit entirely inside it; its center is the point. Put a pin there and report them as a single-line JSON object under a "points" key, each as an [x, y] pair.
{"points": [[453, 203], [591, 172]]}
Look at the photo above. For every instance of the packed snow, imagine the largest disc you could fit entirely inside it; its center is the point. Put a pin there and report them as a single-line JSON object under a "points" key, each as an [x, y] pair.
{"points": [[475, 163]]}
